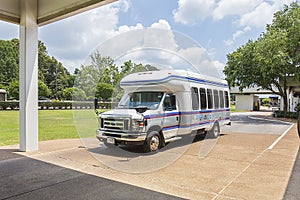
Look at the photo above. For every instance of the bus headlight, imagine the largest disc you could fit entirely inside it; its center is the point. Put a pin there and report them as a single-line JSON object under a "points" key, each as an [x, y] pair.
{"points": [[138, 124]]}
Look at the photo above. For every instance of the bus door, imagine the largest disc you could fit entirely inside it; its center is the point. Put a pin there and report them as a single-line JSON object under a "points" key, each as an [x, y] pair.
{"points": [[171, 116]]}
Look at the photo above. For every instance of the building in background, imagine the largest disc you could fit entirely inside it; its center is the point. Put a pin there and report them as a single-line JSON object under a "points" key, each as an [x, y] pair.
{"points": [[3, 95], [293, 92]]}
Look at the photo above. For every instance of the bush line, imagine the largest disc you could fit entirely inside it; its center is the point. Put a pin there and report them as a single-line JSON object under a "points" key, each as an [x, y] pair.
{"points": [[14, 105], [291, 115]]}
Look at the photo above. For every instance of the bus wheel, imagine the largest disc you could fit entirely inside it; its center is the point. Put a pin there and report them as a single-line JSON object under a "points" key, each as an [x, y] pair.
{"points": [[153, 142], [215, 131]]}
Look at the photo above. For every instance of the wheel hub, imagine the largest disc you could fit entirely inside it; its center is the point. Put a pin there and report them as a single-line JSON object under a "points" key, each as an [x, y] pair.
{"points": [[154, 143]]}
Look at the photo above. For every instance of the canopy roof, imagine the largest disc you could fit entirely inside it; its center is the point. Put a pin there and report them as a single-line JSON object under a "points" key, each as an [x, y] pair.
{"points": [[48, 10]]}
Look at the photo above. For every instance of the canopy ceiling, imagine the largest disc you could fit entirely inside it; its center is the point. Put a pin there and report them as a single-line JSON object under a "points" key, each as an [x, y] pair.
{"points": [[48, 10]]}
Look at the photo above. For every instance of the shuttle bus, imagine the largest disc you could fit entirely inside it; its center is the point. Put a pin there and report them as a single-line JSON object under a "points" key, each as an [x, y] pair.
{"points": [[161, 106]]}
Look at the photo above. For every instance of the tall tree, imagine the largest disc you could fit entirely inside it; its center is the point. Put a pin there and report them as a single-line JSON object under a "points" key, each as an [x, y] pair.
{"points": [[43, 90], [9, 61], [272, 59], [52, 72], [89, 76]]}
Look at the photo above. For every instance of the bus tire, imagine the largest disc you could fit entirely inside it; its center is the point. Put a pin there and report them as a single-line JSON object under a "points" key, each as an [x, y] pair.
{"points": [[153, 142], [214, 132]]}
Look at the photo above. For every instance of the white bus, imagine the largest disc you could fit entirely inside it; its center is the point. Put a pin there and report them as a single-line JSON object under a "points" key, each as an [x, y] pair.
{"points": [[159, 106]]}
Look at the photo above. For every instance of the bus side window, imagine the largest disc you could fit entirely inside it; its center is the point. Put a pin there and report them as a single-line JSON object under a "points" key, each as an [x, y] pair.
{"points": [[170, 102], [195, 98], [216, 99], [221, 95], [226, 99], [209, 99], [203, 99]]}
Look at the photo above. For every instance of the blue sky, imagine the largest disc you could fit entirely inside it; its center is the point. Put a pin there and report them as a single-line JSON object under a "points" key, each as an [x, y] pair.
{"points": [[218, 26]]}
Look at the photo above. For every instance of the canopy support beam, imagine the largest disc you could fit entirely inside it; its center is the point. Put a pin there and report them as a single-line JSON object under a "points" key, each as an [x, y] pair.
{"points": [[28, 76]]}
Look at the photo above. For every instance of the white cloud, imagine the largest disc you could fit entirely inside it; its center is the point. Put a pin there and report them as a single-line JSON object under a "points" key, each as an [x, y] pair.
{"points": [[262, 14], [161, 24], [124, 5], [252, 13], [194, 55], [71, 40], [234, 7], [125, 28], [220, 67], [236, 35], [190, 11], [159, 46], [259, 17]]}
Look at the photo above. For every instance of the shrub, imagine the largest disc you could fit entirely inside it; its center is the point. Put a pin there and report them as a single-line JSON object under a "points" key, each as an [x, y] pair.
{"points": [[265, 102], [4, 105], [280, 113]]}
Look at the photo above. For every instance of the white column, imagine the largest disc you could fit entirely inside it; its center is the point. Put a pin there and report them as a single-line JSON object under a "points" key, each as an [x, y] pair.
{"points": [[28, 76]]}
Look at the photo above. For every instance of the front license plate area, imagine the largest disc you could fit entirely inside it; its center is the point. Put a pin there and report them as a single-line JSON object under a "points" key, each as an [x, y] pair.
{"points": [[111, 140]]}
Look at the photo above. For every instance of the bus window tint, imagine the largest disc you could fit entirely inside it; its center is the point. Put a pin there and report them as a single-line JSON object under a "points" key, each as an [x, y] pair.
{"points": [[209, 99], [221, 95], [226, 99], [195, 98], [203, 98], [216, 99]]}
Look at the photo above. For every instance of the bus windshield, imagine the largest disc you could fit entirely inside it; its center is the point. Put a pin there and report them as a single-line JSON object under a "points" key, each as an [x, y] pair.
{"points": [[150, 100]]}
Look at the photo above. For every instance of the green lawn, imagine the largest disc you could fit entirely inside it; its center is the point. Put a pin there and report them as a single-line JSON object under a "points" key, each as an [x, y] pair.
{"points": [[53, 124]]}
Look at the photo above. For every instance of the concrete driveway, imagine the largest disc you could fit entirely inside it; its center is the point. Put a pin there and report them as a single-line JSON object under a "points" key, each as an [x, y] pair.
{"points": [[249, 122], [239, 165]]}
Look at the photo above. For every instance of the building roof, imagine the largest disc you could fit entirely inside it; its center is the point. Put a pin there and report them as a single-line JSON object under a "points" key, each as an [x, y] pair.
{"points": [[2, 91], [251, 90]]}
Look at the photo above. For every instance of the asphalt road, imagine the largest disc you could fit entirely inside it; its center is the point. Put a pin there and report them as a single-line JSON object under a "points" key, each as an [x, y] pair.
{"points": [[26, 178], [248, 123]]}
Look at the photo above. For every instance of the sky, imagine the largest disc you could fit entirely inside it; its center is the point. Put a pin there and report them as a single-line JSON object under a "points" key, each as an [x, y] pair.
{"points": [[216, 27]]}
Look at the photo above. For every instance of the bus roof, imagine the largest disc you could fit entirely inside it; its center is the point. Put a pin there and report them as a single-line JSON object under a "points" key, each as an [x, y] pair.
{"points": [[163, 76]]}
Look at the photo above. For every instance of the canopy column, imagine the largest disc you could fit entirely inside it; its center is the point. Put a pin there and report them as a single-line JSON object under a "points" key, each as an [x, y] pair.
{"points": [[28, 75]]}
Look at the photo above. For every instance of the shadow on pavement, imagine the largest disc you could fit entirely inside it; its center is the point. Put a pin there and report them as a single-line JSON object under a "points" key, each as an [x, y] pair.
{"points": [[135, 151], [27, 178], [293, 189], [6, 154], [134, 161]]}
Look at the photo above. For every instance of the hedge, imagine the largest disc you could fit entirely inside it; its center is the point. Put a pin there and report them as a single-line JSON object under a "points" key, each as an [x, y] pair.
{"points": [[14, 105], [280, 113]]}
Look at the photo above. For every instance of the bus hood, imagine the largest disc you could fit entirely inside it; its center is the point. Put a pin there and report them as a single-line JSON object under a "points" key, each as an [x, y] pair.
{"points": [[122, 113]]}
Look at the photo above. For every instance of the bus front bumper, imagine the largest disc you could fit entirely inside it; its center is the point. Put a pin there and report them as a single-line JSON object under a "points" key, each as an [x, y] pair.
{"points": [[136, 138]]}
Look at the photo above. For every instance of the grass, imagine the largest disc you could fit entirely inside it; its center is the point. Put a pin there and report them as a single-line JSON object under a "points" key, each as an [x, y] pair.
{"points": [[53, 124], [233, 109]]}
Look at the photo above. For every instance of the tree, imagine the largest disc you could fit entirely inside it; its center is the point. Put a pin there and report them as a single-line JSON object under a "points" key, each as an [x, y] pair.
{"points": [[51, 72], [89, 76], [104, 91], [9, 61], [13, 90], [73, 94], [272, 59], [43, 90]]}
